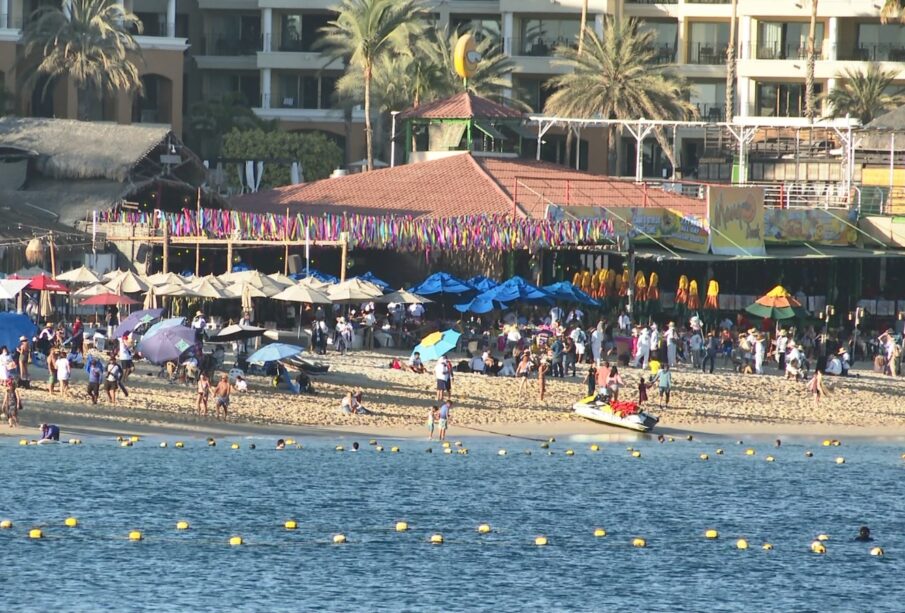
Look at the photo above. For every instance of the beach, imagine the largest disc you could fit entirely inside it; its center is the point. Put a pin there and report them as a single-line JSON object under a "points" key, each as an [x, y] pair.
{"points": [[723, 403]]}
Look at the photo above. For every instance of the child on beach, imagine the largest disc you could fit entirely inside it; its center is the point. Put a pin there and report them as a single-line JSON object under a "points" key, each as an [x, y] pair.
{"points": [[432, 416], [12, 404], [642, 391], [204, 391], [591, 380], [52, 371], [542, 377], [815, 386]]}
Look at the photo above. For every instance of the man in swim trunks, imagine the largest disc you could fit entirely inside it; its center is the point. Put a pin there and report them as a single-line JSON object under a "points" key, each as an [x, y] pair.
{"points": [[443, 419], [221, 396]]}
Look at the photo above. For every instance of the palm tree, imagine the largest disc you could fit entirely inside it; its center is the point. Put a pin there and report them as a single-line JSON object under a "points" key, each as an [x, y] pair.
{"points": [[863, 94], [364, 32], [731, 63], [617, 77], [87, 41], [810, 106], [892, 9]]}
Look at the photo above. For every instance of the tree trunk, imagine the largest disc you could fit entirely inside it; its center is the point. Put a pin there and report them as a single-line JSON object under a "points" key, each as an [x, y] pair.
{"points": [[730, 64], [810, 105], [570, 137], [368, 134]]}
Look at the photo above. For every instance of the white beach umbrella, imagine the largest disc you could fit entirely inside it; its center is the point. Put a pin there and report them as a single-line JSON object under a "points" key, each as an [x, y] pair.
{"points": [[240, 288], [353, 290], [204, 289], [82, 274], [171, 289], [91, 290], [10, 288], [281, 279], [308, 295], [403, 297], [163, 278], [314, 283], [127, 283]]}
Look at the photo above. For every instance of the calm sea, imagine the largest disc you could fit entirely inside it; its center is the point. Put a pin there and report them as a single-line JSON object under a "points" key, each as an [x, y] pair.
{"points": [[668, 496]]}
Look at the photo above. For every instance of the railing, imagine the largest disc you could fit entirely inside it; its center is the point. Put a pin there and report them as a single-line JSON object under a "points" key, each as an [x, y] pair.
{"points": [[810, 195], [652, 1], [874, 53], [540, 46], [708, 2], [711, 111], [220, 44], [789, 51], [705, 53], [288, 43]]}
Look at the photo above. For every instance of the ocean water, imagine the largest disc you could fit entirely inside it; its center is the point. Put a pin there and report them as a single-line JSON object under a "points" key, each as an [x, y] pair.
{"points": [[668, 496]]}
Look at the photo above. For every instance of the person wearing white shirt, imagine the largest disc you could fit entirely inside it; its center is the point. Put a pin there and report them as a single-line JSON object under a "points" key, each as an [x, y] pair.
{"points": [[655, 341], [513, 336], [64, 371], [199, 323], [672, 337], [556, 314], [369, 321], [416, 310], [415, 364], [597, 342], [760, 351], [782, 342], [642, 355], [6, 364], [441, 373], [625, 323]]}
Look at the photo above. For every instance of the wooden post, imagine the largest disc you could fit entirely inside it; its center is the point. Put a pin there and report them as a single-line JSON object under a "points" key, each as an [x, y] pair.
{"points": [[198, 244], [344, 237], [229, 256], [286, 250], [198, 258], [166, 248], [53, 258]]}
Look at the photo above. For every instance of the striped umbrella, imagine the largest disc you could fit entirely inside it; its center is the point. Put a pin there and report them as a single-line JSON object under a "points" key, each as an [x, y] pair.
{"points": [[776, 304]]}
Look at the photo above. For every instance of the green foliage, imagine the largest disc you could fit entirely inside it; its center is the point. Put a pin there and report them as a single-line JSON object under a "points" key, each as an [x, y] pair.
{"points": [[864, 94], [92, 45], [209, 120], [893, 10], [316, 152]]}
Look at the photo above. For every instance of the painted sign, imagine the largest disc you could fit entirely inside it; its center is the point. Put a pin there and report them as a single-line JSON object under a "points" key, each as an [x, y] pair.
{"points": [[679, 230], [736, 220], [809, 226]]}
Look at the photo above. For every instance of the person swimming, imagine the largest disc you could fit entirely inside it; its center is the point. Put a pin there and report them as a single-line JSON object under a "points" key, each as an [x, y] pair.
{"points": [[355, 446], [863, 535], [281, 444]]}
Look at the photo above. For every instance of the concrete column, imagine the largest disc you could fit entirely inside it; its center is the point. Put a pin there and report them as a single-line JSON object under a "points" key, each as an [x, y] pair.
{"points": [[598, 24], [833, 40], [267, 19], [508, 27], [682, 41], [744, 38], [744, 96], [265, 87], [171, 18], [4, 14]]}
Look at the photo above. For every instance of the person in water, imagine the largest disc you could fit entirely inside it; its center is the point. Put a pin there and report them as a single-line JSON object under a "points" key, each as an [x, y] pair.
{"points": [[281, 444], [863, 535], [50, 432]]}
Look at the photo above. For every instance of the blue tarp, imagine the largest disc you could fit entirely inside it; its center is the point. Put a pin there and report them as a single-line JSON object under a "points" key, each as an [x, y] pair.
{"points": [[320, 276], [482, 283], [14, 325], [567, 292], [371, 278], [442, 283]]}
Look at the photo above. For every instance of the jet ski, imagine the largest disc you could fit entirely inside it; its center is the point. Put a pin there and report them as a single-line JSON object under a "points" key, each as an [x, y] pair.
{"points": [[625, 414]]}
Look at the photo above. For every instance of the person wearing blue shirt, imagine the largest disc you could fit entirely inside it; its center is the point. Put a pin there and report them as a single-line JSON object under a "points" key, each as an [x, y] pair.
{"points": [[95, 374], [50, 432], [443, 420]]}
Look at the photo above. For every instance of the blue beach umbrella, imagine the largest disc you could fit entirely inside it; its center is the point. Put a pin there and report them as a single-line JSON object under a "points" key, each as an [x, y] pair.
{"points": [[442, 283], [320, 276], [518, 289], [14, 325], [482, 283], [482, 303], [567, 292], [274, 352], [137, 319], [437, 344], [167, 345], [163, 325], [371, 278]]}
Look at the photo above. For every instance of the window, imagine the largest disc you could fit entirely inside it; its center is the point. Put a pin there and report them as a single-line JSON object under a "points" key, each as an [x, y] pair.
{"points": [[782, 99], [786, 40], [710, 99], [665, 36], [533, 91], [481, 26], [540, 36], [708, 42], [880, 43]]}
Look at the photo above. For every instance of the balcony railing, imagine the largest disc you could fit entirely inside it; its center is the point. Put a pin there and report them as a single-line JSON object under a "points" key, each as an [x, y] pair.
{"points": [[540, 46], [778, 51], [221, 44], [875, 53], [652, 1], [711, 111], [706, 53], [708, 2]]}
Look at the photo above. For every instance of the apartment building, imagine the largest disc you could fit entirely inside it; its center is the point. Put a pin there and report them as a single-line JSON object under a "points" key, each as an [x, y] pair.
{"points": [[265, 50]]}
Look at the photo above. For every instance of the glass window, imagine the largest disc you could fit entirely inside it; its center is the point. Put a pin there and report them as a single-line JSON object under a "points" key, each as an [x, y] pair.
{"points": [[290, 32], [708, 42], [782, 99], [786, 40], [665, 32], [880, 43], [540, 36], [481, 26], [710, 99]]}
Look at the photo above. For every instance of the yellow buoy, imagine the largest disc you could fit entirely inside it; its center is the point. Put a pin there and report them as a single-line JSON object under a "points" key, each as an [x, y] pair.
{"points": [[639, 542], [126, 444], [234, 446], [570, 452], [463, 451], [827, 442], [235, 540], [704, 456], [629, 448], [501, 452], [291, 524], [134, 438], [599, 532], [6, 524], [448, 450], [840, 460], [401, 526], [163, 444], [378, 448], [741, 544], [595, 447], [446, 444], [484, 529], [671, 439], [136, 535], [182, 525], [541, 541], [394, 449], [71, 522], [73, 441], [711, 534], [35, 533], [750, 451], [902, 456], [767, 547], [23, 441], [290, 441], [436, 539], [719, 452], [877, 551], [823, 537], [770, 458], [689, 438], [179, 445], [339, 539], [818, 547], [340, 448], [636, 454]]}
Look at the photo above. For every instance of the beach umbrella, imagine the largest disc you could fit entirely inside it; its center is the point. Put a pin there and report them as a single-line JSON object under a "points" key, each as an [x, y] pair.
{"points": [[91, 290], [316, 274], [243, 289], [274, 352], [371, 278], [82, 274], [776, 304], [518, 289], [44, 283], [313, 283], [163, 324], [45, 307], [437, 344], [713, 293], [150, 301], [145, 317], [442, 283], [482, 283], [128, 283], [237, 332], [167, 345], [175, 290], [480, 304], [13, 326], [278, 277], [353, 290], [567, 292], [116, 273], [403, 297], [10, 288], [299, 293], [107, 299], [163, 278], [202, 288], [694, 297]]}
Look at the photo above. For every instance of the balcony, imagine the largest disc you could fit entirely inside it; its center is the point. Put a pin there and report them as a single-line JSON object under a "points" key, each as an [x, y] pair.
{"points": [[875, 53], [539, 46], [225, 45], [779, 51], [708, 2], [706, 53], [652, 1], [711, 111]]}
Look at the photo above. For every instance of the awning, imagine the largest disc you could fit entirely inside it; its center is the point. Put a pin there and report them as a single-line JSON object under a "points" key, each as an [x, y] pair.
{"points": [[522, 130], [489, 130], [797, 252]]}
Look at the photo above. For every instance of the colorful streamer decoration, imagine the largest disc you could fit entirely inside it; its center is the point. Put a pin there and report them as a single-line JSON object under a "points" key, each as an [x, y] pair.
{"points": [[399, 233], [713, 293], [682, 291], [694, 298]]}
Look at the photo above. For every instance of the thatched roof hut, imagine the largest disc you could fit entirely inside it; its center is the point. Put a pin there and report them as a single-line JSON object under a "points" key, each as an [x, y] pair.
{"points": [[884, 133]]}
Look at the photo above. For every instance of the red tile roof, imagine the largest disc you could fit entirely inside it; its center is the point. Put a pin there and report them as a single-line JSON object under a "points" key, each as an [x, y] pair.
{"points": [[459, 185], [462, 106]]}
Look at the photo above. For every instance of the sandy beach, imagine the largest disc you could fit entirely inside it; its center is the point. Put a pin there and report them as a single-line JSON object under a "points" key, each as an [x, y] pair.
{"points": [[722, 403]]}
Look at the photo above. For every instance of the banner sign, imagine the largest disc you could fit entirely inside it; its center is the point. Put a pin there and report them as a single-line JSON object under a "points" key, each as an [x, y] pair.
{"points": [[809, 226], [736, 219], [684, 231]]}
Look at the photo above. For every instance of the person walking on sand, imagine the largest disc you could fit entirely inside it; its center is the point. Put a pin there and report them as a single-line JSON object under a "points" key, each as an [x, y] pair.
{"points": [[112, 380], [432, 416], [95, 374], [52, 370], [204, 391], [664, 384], [442, 374], [443, 419], [64, 372], [642, 390], [711, 348], [672, 338], [815, 386], [542, 377], [760, 351], [597, 342], [523, 371], [221, 396]]}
